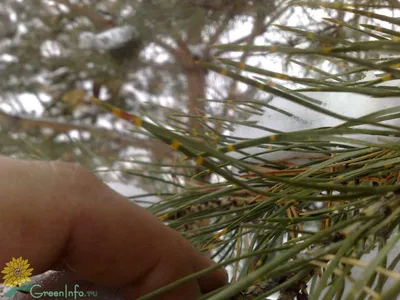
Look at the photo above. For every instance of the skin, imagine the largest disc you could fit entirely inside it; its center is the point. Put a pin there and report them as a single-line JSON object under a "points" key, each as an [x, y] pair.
{"points": [[61, 217]]}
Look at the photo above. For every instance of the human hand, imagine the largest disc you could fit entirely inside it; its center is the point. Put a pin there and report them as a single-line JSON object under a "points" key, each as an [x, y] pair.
{"points": [[60, 216]]}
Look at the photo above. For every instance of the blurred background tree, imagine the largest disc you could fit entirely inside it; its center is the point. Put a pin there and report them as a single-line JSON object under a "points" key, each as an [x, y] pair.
{"points": [[139, 56], [156, 59]]}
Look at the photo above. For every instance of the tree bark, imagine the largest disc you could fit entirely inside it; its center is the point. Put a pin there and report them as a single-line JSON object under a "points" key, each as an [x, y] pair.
{"points": [[196, 84]]}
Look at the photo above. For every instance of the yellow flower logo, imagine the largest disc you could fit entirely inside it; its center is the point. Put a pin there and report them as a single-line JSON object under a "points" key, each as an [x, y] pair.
{"points": [[17, 272]]}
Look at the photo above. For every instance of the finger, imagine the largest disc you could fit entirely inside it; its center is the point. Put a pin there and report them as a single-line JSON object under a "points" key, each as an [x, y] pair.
{"points": [[135, 249], [38, 206], [142, 255], [213, 280], [100, 235]]}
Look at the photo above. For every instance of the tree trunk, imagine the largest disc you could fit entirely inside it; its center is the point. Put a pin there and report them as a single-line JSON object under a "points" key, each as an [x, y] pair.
{"points": [[196, 84]]}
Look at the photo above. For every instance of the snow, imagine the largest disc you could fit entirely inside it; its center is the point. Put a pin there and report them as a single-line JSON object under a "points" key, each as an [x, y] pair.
{"points": [[348, 104]]}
